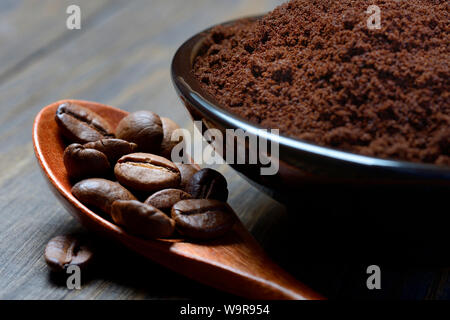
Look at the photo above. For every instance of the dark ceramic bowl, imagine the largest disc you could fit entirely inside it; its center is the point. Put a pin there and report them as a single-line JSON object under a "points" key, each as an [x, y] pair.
{"points": [[301, 163]]}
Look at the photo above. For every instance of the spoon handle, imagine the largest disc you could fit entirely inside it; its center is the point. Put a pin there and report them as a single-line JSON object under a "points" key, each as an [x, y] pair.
{"points": [[235, 264]]}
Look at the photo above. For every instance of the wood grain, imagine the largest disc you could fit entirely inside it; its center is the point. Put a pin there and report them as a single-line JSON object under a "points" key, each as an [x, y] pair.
{"points": [[121, 57], [22, 23]]}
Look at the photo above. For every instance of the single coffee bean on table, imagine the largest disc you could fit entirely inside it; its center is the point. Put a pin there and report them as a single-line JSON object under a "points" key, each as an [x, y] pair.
{"points": [[167, 144], [147, 172], [82, 162], [81, 125], [100, 193], [203, 218], [143, 128], [165, 199], [186, 171], [63, 251], [114, 149], [208, 184], [142, 219]]}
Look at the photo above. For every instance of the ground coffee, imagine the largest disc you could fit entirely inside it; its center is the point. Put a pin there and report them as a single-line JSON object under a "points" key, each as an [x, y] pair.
{"points": [[314, 70]]}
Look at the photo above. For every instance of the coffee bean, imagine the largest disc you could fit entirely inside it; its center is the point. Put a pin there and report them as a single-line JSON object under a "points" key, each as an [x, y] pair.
{"points": [[186, 171], [100, 193], [142, 220], [114, 149], [165, 199], [167, 144], [81, 125], [147, 172], [63, 251], [208, 184], [143, 128], [202, 218], [81, 162]]}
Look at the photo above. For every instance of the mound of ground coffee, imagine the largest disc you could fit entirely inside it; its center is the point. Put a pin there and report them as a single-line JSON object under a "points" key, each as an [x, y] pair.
{"points": [[314, 70]]}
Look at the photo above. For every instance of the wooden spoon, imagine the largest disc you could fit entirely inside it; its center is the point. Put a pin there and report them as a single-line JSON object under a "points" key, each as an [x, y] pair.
{"points": [[235, 263]]}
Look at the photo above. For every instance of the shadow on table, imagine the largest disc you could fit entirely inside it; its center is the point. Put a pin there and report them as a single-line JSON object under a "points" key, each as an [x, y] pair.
{"points": [[331, 234], [145, 280], [327, 240]]}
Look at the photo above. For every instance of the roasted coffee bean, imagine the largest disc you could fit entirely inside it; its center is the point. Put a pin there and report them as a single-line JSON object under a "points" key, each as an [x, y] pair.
{"points": [[169, 126], [82, 162], [142, 220], [100, 193], [143, 128], [202, 218], [63, 251], [186, 171], [81, 125], [208, 184], [147, 172], [165, 199], [114, 149]]}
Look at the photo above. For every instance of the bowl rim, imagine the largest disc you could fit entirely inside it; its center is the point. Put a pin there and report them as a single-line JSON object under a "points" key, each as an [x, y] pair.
{"points": [[190, 89]]}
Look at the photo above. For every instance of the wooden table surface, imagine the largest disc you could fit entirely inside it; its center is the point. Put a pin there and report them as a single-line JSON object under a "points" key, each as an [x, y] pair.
{"points": [[121, 57]]}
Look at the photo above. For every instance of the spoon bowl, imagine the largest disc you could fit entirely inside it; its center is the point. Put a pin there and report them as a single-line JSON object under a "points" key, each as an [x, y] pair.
{"points": [[235, 263]]}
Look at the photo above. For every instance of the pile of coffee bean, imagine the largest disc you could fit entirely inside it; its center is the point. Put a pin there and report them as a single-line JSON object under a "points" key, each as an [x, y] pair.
{"points": [[125, 175]]}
